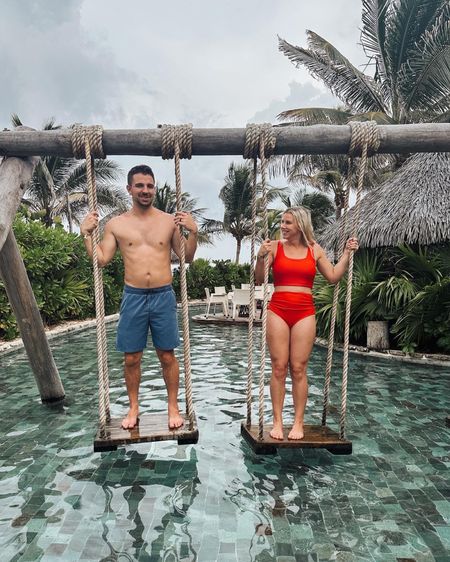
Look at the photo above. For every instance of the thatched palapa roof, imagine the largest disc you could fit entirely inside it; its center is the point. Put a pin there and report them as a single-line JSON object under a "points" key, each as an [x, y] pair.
{"points": [[411, 207]]}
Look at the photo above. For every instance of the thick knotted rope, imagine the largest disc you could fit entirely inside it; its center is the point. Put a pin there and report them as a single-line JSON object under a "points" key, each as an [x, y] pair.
{"points": [[260, 140], [341, 247], [364, 141], [87, 143], [176, 142]]}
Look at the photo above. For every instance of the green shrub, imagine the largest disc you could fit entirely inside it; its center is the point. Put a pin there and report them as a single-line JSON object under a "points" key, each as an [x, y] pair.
{"points": [[60, 274], [409, 287], [202, 273]]}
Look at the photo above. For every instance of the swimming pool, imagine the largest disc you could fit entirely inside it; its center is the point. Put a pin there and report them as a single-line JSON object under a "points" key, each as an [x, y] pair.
{"points": [[216, 500]]}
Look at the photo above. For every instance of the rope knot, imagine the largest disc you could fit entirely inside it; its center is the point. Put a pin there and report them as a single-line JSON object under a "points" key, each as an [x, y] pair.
{"points": [[259, 138], [176, 138], [90, 137], [363, 133]]}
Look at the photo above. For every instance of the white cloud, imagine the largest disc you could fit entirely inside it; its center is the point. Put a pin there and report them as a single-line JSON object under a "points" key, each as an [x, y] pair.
{"points": [[140, 63]]}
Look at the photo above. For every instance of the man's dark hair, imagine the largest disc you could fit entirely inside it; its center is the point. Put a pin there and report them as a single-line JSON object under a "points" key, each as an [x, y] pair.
{"points": [[140, 169]]}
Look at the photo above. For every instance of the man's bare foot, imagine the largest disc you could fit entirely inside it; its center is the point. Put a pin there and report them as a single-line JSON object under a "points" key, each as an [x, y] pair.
{"points": [[296, 431], [277, 431], [131, 420], [175, 419]]}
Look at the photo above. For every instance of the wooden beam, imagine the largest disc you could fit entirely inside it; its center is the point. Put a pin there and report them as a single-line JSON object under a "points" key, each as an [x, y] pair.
{"points": [[23, 303], [316, 139]]}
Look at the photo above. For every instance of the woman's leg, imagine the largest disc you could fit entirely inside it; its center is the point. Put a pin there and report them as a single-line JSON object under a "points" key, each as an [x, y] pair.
{"points": [[302, 340], [278, 343]]}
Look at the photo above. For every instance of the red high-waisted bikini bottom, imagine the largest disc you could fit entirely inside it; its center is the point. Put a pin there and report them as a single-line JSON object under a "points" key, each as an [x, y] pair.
{"points": [[292, 307]]}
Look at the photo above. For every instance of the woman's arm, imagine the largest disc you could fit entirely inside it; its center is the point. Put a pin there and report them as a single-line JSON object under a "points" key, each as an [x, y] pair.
{"points": [[334, 273]]}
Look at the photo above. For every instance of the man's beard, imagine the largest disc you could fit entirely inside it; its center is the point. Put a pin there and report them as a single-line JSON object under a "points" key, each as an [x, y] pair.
{"points": [[145, 203]]}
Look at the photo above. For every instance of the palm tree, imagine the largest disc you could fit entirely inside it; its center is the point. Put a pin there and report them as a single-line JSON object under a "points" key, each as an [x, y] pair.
{"points": [[166, 200], [407, 45], [320, 206], [236, 196], [58, 187]]}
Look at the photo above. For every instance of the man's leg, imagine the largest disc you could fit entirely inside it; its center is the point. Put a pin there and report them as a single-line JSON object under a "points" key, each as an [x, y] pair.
{"points": [[171, 374], [132, 368]]}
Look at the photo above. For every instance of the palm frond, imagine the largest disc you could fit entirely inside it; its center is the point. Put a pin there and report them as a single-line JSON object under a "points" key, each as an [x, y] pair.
{"points": [[338, 74], [15, 120], [425, 78], [378, 116], [373, 38], [315, 116]]}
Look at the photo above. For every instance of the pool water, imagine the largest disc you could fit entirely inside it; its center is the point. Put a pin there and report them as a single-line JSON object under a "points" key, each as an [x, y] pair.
{"points": [[217, 501]]}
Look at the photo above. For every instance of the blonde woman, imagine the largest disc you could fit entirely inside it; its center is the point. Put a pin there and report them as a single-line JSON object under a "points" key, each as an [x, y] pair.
{"points": [[291, 323]]}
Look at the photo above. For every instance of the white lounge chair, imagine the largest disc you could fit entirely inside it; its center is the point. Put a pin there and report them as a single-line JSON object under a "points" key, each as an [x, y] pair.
{"points": [[214, 298], [241, 297]]}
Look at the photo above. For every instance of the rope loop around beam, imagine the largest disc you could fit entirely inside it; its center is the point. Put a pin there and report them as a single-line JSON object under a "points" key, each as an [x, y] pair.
{"points": [[257, 134], [90, 133], [363, 133], [172, 135]]}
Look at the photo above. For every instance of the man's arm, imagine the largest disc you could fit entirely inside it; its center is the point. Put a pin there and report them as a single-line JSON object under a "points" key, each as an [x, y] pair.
{"points": [[107, 247], [185, 220]]}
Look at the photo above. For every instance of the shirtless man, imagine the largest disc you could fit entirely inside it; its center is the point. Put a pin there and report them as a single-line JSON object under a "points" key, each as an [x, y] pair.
{"points": [[145, 237]]}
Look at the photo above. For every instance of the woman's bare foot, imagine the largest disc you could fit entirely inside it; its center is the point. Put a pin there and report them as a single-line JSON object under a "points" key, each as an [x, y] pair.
{"points": [[277, 431], [131, 420], [296, 431], [175, 419]]}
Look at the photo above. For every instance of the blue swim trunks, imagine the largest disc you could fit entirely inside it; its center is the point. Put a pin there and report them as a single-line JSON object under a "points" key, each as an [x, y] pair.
{"points": [[142, 310]]}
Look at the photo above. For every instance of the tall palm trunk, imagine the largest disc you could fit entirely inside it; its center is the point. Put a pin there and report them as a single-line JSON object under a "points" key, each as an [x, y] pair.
{"points": [[238, 249], [69, 214]]}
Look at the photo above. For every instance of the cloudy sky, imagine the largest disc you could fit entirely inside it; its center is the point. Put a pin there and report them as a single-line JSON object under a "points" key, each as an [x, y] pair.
{"points": [[139, 63]]}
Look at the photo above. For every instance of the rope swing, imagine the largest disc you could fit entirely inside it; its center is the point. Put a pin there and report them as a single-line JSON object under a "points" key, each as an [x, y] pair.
{"points": [[176, 143], [364, 140], [87, 143], [260, 142]]}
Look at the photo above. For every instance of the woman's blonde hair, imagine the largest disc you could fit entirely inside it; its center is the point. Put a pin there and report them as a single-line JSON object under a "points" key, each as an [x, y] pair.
{"points": [[302, 220]]}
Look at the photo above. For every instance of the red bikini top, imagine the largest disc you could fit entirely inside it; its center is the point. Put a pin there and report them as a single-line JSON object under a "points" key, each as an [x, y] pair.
{"points": [[293, 271]]}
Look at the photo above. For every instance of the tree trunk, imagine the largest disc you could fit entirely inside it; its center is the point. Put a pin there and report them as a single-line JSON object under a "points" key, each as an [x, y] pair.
{"points": [[69, 213], [238, 250], [23, 303], [378, 334]]}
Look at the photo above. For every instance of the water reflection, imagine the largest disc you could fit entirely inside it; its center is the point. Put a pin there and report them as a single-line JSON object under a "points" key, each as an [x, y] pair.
{"points": [[217, 500], [158, 494]]}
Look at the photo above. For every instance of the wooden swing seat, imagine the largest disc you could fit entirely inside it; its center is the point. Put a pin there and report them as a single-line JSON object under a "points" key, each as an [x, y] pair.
{"points": [[316, 437], [151, 427]]}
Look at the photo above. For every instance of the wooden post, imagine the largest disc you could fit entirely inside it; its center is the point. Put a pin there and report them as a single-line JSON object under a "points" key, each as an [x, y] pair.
{"points": [[377, 334], [15, 173], [23, 303]]}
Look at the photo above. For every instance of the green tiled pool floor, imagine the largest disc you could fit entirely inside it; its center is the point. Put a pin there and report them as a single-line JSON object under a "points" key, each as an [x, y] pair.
{"points": [[217, 501]]}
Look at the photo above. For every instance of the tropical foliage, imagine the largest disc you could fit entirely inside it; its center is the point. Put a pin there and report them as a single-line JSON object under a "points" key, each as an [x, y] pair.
{"points": [[203, 273], [320, 206], [60, 274], [236, 196], [407, 44], [410, 287], [166, 200]]}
